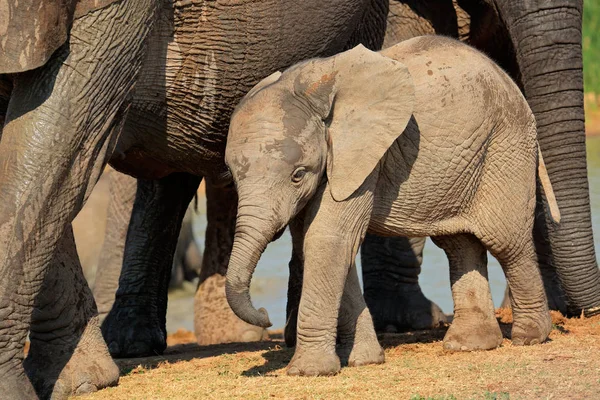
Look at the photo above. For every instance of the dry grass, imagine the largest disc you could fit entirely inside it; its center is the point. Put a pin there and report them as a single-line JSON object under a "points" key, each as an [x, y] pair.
{"points": [[566, 367]]}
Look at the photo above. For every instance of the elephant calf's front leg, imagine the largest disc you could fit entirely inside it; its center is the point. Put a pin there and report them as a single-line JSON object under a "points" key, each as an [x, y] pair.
{"points": [[333, 232], [356, 334]]}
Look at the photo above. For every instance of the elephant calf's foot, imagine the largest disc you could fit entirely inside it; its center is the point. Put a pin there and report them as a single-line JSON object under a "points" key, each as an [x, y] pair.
{"points": [[215, 322], [403, 309], [365, 353], [83, 365], [360, 346], [530, 329], [130, 331], [314, 363], [473, 332]]}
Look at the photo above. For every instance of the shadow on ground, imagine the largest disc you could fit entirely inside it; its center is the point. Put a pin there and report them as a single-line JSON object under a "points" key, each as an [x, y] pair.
{"points": [[277, 355]]}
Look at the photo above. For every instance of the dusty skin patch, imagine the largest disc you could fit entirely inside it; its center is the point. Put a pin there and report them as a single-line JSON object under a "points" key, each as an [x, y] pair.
{"points": [[565, 367]]}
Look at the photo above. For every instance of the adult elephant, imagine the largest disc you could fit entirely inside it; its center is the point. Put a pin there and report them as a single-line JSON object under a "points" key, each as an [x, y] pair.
{"points": [[71, 66], [539, 44], [202, 58]]}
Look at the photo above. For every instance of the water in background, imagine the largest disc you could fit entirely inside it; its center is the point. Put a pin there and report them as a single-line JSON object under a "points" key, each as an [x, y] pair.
{"points": [[269, 285]]}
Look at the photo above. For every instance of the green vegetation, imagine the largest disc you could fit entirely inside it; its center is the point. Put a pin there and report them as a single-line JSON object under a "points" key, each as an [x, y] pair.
{"points": [[591, 45]]}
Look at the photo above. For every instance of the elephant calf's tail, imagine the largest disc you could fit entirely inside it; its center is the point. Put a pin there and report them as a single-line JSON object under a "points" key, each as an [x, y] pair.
{"points": [[547, 187]]}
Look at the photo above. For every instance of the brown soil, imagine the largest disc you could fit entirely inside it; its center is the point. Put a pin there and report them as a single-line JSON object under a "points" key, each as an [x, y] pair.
{"points": [[565, 367]]}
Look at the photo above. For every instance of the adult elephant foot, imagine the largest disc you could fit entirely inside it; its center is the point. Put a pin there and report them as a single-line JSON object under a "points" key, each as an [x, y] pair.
{"points": [[68, 354], [130, 330], [391, 268], [83, 365], [215, 322]]}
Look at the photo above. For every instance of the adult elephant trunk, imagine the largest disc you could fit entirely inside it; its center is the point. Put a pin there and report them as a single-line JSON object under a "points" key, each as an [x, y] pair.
{"points": [[249, 243], [547, 36]]}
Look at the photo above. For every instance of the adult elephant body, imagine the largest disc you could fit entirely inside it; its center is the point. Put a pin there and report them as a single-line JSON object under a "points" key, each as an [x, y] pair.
{"points": [[202, 58], [62, 124], [539, 44]]}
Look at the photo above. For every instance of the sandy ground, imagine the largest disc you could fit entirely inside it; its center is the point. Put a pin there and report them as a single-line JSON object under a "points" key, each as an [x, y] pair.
{"points": [[565, 367]]}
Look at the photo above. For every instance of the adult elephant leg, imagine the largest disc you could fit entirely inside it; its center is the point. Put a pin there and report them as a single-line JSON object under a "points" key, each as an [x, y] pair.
{"points": [[55, 142], [391, 268], [67, 356], [122, 196], [214, 321], [136, 324], [547, 39]]}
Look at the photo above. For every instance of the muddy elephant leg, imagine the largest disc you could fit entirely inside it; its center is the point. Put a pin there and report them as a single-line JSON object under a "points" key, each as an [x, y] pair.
{"points": [[333, 234], [214, 321], [122, 196], [60, 128], [67, 356], [296, 267], [531, 319], [474, 326], [136, 324], [391, 267], [356, 334]]}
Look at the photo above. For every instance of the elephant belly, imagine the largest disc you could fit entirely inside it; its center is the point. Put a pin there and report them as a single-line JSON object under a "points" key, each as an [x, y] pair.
{"points": [[204, 56], [428, 182]]}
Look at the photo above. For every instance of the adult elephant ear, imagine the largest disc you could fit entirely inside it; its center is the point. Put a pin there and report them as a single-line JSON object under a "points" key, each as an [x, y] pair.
{"points": [[366, 101], [31, 30]]}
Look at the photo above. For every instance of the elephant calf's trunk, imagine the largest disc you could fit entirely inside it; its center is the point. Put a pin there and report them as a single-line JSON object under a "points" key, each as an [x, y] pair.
{"points": [[244, 257]]}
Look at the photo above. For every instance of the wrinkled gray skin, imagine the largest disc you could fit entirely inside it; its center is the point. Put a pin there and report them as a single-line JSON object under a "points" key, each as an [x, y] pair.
{"points": [[539, 44], [60, 126], [114, 202], [420, 139], [202, 59]]}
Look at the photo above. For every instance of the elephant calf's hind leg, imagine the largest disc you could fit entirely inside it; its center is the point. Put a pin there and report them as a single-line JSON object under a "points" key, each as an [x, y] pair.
{"points": [[474, 326], [531, 319]]}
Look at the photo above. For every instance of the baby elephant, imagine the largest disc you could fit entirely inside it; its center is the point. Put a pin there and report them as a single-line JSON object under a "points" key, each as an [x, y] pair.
{"points": [[426, 138]]}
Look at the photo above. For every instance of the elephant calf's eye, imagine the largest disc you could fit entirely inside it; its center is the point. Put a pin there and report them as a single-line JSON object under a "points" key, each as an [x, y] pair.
{"points": [[298, 174]]}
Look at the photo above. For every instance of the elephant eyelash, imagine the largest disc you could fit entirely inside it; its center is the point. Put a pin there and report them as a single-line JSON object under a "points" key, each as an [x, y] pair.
{"points": [[298, 174]]}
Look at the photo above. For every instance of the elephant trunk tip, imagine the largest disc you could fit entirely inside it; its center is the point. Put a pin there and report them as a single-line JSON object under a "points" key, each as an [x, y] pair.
{"points": [[240, 303]]}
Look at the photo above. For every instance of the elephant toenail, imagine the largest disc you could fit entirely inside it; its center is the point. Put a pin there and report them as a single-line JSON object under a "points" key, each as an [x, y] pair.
{"points": [[86, 388]]}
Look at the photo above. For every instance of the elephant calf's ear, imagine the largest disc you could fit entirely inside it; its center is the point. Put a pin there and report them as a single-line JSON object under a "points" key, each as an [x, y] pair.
{"points": [[373, 103], [264, 83]]}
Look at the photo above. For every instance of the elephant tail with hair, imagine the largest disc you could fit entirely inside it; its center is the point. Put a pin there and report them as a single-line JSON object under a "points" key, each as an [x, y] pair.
{"points": [[547, 188]]}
